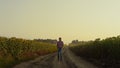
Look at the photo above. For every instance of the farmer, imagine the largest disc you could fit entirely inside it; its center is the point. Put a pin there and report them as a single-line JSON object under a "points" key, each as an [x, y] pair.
{"points": [[59, 47]]}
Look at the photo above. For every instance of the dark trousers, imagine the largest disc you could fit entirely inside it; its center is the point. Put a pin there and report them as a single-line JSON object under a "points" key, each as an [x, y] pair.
{"points": [[59, 54]]}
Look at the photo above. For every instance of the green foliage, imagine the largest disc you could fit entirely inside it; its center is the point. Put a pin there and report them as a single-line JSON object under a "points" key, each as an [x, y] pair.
{"points": [[107, 50], [17, 49]]}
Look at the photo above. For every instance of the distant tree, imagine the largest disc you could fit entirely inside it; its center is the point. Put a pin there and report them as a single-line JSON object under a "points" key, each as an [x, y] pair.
{"points": [[52, 41], [74, 41]]}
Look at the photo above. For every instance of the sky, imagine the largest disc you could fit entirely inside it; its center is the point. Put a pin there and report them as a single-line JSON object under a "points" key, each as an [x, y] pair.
{"points": [[69, 19]]}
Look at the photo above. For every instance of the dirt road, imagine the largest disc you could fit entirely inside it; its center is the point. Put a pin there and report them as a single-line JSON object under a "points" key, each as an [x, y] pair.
{"points": [[50, 61]]}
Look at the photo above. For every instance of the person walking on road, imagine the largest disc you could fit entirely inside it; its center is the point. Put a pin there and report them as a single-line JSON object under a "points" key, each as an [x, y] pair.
{"points": [[59, 47]]}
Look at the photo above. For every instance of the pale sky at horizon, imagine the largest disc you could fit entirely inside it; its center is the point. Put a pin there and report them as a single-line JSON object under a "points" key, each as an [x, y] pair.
{"points": [[69, 19]]}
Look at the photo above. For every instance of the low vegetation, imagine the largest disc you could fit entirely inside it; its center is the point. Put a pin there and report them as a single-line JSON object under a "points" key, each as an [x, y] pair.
{"points": [[105, 52], [15, 50]]}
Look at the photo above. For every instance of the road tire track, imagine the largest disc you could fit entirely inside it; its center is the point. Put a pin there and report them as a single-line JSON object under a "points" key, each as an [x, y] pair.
{"points": [[51, 61]]}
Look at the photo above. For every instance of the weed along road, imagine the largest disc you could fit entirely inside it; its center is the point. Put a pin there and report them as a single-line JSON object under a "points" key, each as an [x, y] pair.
{"points": [[51, 61]]}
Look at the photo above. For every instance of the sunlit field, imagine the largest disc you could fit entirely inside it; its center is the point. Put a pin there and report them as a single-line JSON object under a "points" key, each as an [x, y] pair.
{"points": [[15, 50]]}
